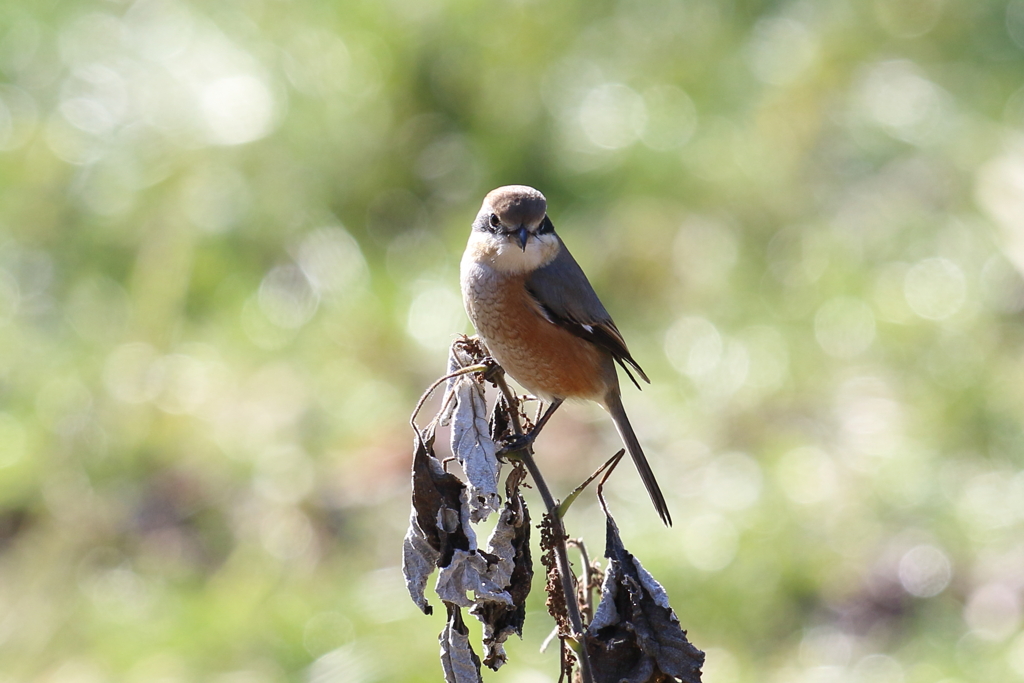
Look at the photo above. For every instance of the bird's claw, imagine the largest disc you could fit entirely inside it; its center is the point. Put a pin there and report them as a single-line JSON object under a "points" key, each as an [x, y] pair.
{"points": [[493, 369], [514, 443]]}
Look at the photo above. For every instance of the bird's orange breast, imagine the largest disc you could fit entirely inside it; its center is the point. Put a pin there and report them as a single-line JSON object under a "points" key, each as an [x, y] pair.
{"points": [[538, 353]]}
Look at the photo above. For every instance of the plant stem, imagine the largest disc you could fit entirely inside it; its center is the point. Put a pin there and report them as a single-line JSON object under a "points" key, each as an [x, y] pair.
{"points": [[558, 529]]}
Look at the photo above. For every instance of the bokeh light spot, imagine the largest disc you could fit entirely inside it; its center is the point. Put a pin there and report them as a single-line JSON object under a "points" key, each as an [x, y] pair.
{"points": [[1002, 286], [287, 298], [807, 475], [449, 166], [769, 357], [332, 260], [935, 288], [612, 116], [732, 481], [925, 571], [825, 646], [694, 346], [94, 99], [717, 365], [780, 50], [109, 188], [237, 109], [898, 97], [844, 327], [186, 383], [671, 118], [1015, 655], [71, 144], [999, 189], [159, 29], [127, 373], [704, 251], [993, 612], [435, 315], [871, 421], [352, 663], [317, 63], [91, 37], [878, 668], [710, 542], [990, 500]]}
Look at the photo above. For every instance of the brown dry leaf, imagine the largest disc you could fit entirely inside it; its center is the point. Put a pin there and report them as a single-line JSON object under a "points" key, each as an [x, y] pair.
{"points": [[435, 530], [510, 543], [460, 663], [635, 636]]}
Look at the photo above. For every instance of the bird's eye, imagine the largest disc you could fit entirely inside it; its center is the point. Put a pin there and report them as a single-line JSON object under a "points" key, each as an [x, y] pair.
{"points": [[494, 221], [545, 226]]}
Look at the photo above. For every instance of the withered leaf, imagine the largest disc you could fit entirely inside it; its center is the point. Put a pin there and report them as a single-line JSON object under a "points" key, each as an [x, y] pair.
{"points": [[418, 562], [510, 543], [470, 571], [500, 427], [460, 663], [435, 528], [635, 636], [465, 407]]}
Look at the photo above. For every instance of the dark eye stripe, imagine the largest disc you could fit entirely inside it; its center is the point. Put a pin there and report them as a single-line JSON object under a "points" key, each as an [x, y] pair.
{"points": [[545, 226]]}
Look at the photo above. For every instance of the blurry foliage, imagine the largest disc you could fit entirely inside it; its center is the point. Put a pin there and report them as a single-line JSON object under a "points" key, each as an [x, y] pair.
{"points": [[229, 237]]}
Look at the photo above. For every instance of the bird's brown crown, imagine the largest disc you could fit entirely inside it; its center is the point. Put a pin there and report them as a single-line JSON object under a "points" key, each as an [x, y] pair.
{"points": [[517, 205]]}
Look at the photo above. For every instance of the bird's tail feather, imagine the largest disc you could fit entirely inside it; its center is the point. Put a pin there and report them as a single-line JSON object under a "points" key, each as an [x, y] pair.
{"points": [[614, 405]]}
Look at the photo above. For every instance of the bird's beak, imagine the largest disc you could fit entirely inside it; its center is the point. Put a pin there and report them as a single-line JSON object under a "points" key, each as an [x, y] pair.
{"points": [[522, 235]]}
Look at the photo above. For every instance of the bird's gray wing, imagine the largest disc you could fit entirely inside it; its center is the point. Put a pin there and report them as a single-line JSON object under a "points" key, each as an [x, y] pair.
{"points": [[568, 299]]}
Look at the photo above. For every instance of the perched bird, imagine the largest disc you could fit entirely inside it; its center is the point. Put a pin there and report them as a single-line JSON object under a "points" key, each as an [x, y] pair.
{"points": [[540, 318]]}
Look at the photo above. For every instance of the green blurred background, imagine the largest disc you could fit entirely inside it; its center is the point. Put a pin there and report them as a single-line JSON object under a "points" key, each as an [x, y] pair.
{"points": [[229, 245]]}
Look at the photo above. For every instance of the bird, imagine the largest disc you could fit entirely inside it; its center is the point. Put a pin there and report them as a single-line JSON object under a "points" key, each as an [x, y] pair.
{"points": [[538, 315]]}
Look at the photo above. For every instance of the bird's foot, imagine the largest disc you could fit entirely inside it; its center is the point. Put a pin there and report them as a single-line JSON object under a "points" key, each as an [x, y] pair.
{"points": [[514, 443], [493, 369]]}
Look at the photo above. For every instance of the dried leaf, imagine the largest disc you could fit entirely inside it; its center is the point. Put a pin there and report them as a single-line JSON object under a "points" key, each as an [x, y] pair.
{"points": [[465, 407], [418, 562], [635, 636], [510, 543], [460, 663], [435, 529], [500, 427], [469, 571]]}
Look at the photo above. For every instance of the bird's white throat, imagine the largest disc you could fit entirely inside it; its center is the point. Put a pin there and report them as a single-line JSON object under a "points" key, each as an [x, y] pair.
{"points": [[505, 255]]}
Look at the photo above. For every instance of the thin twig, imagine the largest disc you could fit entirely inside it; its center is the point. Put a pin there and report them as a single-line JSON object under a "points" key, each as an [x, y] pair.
{"points": [[607, 469], [587, 574], [426, 394], [563, 507], [547, 641], [561, 552], [616, 459]]}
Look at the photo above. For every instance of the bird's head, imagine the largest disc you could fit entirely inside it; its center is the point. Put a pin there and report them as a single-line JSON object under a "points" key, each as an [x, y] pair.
{"points": [[513, 230]]}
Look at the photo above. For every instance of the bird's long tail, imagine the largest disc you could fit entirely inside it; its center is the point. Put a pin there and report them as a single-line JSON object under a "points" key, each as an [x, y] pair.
{"points": [[614, 405]]}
